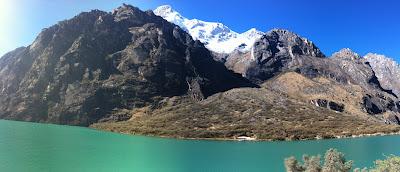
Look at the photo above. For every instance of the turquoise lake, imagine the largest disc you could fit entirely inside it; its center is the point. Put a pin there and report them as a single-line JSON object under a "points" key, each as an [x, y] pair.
{"points": [[43, 147]]}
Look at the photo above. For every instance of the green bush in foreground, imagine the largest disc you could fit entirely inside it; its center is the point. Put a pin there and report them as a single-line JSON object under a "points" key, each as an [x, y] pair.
{"points": [[335, 161], [390, 164]]}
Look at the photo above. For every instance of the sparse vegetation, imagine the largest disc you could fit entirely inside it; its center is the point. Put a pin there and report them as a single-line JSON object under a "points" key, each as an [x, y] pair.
{"points": [[334, 161], [257, 113]]}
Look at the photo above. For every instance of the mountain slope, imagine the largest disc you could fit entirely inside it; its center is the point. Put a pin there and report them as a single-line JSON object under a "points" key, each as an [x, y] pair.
{"points": [[216, 36], [84, 69], [259, 113]]}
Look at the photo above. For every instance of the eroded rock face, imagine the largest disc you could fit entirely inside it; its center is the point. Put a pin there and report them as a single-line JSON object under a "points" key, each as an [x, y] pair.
{"points": [[80, 70]]}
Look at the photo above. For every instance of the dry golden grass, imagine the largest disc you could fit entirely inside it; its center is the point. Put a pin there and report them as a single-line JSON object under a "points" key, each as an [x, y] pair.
{"points": [[300, 87]]}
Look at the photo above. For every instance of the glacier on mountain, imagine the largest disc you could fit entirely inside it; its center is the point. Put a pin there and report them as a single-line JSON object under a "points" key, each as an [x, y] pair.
{"points": [[216, 36]]}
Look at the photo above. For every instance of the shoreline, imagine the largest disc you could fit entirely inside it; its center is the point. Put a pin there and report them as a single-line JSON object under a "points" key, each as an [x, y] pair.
{"points": [[245, 139], [254, 139]]}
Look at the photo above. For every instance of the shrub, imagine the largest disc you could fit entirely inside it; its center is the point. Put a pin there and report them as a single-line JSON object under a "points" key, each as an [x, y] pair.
{"points": [[334, 161], [390, 164]]}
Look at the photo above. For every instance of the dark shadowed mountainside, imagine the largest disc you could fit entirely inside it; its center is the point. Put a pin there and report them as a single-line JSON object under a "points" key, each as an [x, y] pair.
{"points": [[81, 70]]}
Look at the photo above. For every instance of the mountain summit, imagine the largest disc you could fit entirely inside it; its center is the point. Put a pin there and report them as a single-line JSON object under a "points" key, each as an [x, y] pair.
{"points": [[276, 51], [216, 36], [346, 53]]}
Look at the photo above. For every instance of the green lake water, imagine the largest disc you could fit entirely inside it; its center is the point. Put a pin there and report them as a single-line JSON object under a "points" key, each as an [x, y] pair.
{"points": [[36, 147]]}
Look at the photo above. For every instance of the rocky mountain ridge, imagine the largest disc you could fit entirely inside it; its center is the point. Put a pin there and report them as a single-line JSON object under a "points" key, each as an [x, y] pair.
{"points": [[239, 59]]}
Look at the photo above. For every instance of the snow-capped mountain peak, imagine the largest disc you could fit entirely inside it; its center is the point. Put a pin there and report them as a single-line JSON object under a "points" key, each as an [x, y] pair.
{"points": [[216, 36], [166, 12]]}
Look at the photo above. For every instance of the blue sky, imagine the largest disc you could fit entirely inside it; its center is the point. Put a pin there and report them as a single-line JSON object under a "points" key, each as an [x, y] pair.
{"points": [[362, 25]]}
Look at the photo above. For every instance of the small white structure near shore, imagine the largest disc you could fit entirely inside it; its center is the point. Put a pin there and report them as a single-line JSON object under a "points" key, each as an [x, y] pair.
{"points": [[245, 138]]}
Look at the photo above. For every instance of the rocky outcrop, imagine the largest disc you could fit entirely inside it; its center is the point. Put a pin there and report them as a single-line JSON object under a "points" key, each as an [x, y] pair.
{"points": [[346, 54], [338, 107], [273, 53], [81, 70]]}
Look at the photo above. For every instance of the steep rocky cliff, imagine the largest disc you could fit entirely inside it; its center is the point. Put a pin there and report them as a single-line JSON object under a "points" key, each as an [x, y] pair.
{"points": [[387, 71]]}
